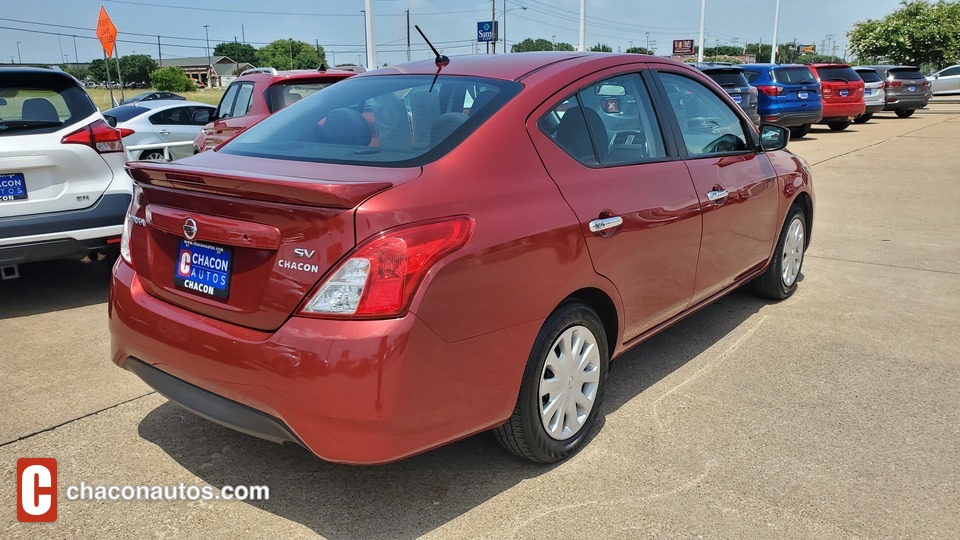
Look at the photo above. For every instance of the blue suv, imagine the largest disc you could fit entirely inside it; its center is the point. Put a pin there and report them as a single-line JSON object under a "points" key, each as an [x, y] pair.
{"points": [[789, 95]]}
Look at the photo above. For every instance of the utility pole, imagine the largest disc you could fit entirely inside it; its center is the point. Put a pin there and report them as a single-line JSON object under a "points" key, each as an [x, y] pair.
{"points": [[76, 57], [61, 46], [206, 31], [159, 52], [243, 33], [408, 35], [583, 26], [776, 24], [647, 46], [703, 14], [493, 23], [19, 58]]}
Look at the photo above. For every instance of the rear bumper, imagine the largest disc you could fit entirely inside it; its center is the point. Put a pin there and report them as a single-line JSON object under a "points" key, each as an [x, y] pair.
{"points": [[873, 108], [63, 235], [903, 104], [361, 392], [838, 112], [793, 119]]}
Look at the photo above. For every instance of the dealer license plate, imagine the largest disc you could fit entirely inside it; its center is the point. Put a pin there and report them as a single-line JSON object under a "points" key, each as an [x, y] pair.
{"points": [[737, 98], [867, 92], [844, 93], [13, 187], [203, 269], [912, 88], [803, 95]]}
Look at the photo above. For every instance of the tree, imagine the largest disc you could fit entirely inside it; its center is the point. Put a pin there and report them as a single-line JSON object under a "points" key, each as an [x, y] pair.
{"points": [[98, 70], [171, 79], [601, 47], [78, 72], [919, 33], [639, 50], [136, 68], [238, 52], [531, 45], [290, 54]]}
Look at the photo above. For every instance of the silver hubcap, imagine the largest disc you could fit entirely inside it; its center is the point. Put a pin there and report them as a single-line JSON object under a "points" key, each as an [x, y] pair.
{"points": [[153, 156], [569, 382], [792, 252]]}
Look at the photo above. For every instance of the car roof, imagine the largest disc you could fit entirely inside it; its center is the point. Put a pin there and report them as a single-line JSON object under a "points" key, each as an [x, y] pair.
{"points": [[509, 67], [772, 66], [294, 74], [38, 71], [161, 103], [829, 65]]}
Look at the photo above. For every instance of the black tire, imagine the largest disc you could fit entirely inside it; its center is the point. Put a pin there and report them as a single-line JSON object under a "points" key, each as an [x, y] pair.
{"points": [[863, 118], [524, 433], [770, 283], [151, 154], [839, 126], [800, 131], [906, 114]]}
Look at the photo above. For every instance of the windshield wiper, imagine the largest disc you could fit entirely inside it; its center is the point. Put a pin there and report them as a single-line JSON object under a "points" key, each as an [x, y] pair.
{"points": [[22, 124]]}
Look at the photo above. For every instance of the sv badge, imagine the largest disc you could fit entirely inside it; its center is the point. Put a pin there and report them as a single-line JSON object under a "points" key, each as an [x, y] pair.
{"points": [[304, 253]]}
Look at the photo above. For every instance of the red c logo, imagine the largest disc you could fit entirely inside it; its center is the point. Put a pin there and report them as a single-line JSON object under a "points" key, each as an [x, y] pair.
{"points": [[37, 489]]}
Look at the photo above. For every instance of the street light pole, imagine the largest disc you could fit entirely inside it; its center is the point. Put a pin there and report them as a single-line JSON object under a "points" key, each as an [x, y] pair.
{"points": [[776, 23], [504, 15], [206, 32], [703, 13]]}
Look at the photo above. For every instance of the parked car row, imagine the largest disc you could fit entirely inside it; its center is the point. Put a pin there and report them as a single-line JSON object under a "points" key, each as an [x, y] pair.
{"points": [[799, 96]]}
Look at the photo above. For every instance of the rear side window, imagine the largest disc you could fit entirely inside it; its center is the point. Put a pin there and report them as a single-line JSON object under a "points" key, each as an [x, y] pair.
{"points": [[838, 74], [869, 76], [394, 121], [125, 112], [906, 74], [41, 103], [286, 94], [728, 79], [751, 76], [793, 75]]}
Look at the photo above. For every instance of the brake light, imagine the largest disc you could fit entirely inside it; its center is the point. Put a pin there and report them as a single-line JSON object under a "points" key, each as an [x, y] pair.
{"points": [[770, 90], [925, 83], [827, 90], [895, 84], [380, 278], [125, 132], [98, 135]]}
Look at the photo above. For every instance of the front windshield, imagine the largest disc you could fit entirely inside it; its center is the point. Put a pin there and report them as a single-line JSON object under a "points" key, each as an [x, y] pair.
{"points": [[385, 120]]}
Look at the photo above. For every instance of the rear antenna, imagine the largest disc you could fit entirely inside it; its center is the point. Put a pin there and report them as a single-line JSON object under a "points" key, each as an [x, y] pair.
{"points": [[441, 61]]}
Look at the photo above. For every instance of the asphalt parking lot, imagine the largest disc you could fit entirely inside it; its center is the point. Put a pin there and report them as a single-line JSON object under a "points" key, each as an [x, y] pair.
{"points": [[834, 414]]}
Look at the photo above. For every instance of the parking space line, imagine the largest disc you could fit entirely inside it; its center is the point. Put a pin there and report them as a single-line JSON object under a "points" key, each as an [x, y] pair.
{"points": [[947, 272]]}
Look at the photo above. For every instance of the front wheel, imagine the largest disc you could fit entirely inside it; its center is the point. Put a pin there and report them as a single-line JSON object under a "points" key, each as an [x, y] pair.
{"points": [[779, 281], [906, 114], [839, 126], [561, 389], [863, 118]]}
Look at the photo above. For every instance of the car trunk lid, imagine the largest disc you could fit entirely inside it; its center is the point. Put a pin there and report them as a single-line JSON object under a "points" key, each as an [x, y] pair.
{"points": [[840, 84], [908, 82], [228, 237]]}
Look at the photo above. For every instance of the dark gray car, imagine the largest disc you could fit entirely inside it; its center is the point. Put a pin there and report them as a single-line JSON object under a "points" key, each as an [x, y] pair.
{"points": [[906, 89], [734, 83]]}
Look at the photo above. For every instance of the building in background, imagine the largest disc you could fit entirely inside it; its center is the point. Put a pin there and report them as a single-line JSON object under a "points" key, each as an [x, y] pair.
{"points": [[224, 69]]}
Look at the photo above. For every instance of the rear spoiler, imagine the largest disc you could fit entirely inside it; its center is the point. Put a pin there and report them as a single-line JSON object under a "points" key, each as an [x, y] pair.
{"points": [[263, 187]]}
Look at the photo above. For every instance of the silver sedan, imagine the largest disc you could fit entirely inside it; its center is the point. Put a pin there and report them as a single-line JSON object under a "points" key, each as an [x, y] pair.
{"points": [[159, 130]]}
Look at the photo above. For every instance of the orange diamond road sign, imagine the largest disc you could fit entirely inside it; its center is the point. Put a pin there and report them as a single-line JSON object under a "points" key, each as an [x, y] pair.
{"points": [[107, 32]]}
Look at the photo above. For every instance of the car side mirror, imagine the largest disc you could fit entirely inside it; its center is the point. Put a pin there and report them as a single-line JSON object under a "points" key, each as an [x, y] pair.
{"points": [[201, 117], [773, 137]]}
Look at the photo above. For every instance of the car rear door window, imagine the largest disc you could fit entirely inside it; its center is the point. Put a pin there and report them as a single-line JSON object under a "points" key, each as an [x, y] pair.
{"points": [[611, 122], [707, 124]]}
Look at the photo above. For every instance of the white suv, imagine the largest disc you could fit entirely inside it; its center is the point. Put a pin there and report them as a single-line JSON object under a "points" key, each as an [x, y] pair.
{"points": [[64, 192]]}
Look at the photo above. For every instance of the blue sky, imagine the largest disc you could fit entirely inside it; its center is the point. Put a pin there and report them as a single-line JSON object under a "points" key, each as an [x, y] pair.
{"points": [[451, 24]]}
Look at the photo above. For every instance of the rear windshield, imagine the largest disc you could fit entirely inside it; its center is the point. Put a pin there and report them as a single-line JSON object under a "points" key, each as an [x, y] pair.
{"points": [[33, 103], [391, 120], [284, 94], [906, 74], [792, 75], [838, 74], [729, 78], [869, 76], [123, 113]]}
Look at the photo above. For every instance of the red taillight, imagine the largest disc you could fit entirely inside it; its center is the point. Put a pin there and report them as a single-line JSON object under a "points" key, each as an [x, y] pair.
{"points": [[771, 90], [125, 132], [895, 84], [98, 135], [380, 278], [925, 83]]}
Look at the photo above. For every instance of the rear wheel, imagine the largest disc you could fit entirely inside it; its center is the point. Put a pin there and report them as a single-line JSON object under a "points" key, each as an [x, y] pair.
{"points": [[152, 155], [562, 386], [863, 118], [800, 131], [779, 281], [839, 126], [906, 114]]}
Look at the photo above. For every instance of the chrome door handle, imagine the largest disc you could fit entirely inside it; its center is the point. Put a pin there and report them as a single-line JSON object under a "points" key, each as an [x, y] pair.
{"points": [[163, 132], [598, 225], [717, 195]]}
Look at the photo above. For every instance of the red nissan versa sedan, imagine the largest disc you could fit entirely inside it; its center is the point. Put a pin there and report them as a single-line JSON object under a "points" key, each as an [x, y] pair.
{"points": [[408, 257]]}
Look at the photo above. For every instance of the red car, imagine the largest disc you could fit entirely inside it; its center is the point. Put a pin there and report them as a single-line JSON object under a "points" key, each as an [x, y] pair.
{"points": [[411, 257], [257, 93], [842, 92]]}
